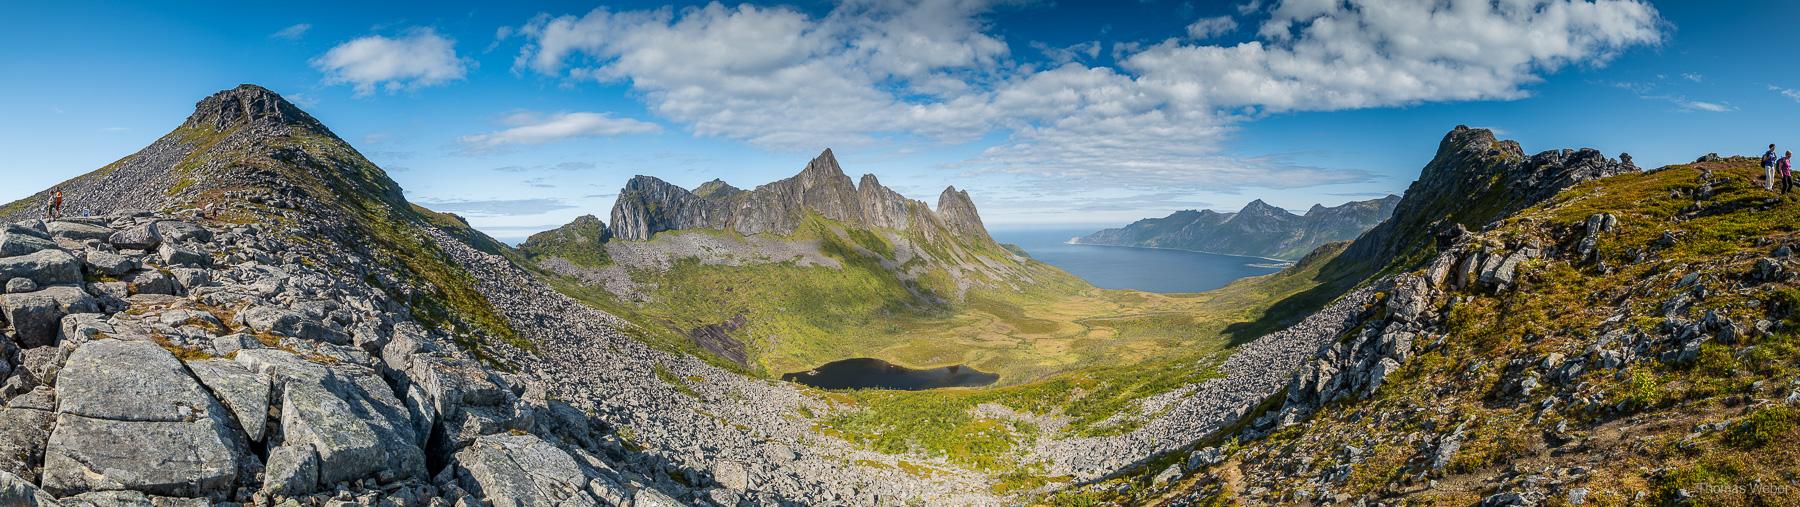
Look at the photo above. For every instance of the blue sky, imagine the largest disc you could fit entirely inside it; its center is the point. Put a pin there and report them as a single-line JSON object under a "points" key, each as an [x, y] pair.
{"points": [[521, 117]]}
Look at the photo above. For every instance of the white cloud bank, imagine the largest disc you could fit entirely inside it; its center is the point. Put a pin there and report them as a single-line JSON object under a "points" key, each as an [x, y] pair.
{"points": [[873, 71], [417, 59], [534, 128]]}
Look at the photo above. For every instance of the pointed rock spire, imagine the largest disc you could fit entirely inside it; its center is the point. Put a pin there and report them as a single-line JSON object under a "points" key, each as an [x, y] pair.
{"points": [[958, 213]]}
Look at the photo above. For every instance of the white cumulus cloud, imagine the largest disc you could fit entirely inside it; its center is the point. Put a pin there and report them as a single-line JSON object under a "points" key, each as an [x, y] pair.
{"points": [[1207, 28], [414, 60], [874, 71], [534, 128]]}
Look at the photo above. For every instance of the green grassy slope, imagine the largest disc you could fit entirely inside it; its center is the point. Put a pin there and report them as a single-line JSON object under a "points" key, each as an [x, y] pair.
{"points": [[1700, 432]]}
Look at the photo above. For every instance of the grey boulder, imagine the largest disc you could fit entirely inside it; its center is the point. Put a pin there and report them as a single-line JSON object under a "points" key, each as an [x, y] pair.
{"points": [[142, 237], [18, 492], [173, 255], [131, 418], [36, 316], [15, 241], [244, 392], [191, 278], [109, 264], [522, 471], [292, 470], [152, 282], [181, 232], [23, 433], [77, 232], [269, 319], [45, 267], [345, 413], [20, 285]]}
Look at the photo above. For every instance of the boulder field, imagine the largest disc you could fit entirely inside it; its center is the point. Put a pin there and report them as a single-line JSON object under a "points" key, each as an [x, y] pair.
{"points": [[155, 360]]}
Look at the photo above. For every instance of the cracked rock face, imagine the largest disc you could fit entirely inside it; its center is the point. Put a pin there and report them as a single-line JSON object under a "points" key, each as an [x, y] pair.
{"points": [[523, 471], [130, 417]]}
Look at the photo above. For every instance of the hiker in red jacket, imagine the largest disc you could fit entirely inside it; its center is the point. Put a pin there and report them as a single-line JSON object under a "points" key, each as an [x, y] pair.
{"points": [[53, 204]]}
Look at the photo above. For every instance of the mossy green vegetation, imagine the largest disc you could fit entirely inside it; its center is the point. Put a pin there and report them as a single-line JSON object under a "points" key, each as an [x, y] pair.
{"points": [[579, 242], [1073, 360], [1713, 430]]}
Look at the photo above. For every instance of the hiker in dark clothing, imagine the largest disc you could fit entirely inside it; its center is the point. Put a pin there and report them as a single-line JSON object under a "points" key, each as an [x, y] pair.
{"points": [[1785, 167], [56, 203], [1768, 165]]}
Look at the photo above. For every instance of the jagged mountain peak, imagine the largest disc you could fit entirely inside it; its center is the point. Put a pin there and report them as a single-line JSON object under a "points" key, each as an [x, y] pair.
{"points": [[959, 214], [248, 104], [868, 182], [822, 167], [648, 205], [1260, 208]]}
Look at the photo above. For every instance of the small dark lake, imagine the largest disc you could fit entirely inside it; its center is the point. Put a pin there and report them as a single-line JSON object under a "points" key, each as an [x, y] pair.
{"points": [[869, 373]]}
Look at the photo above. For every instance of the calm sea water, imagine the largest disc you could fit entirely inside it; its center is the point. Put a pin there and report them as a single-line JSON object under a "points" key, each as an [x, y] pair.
{"points": [[1146, 269]]}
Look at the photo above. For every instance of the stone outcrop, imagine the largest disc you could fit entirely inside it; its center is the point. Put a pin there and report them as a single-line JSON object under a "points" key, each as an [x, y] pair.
{"points": [[1474, 180], [129, 417], [526, 471], [959, 215]]}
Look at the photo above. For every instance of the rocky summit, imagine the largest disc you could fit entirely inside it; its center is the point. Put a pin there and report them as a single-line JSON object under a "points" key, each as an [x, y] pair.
{"points": [[248, 312]]}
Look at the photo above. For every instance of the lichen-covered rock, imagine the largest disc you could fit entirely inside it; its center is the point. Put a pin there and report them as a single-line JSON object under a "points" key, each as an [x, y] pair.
{"points": [[45, 267], [191, 278], [244, 392], [176, 231], [15, 241], [108, 263], [647, 497], [269, 319], [77, 231], [522, 471], [346, 413], [19, 492], [20, 286], [151, 281], [142, 237], [36, 316], [292, 470], [130, 417], [173, 255], [731, 474], [23, 434], [125, 498]]}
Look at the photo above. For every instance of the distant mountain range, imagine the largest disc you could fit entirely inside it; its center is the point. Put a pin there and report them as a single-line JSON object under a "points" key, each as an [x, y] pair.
{"points": [[1259, 229]]}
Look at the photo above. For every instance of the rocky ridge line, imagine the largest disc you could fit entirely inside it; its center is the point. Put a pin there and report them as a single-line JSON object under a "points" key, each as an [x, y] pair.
{"points": [[648, 205]]}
